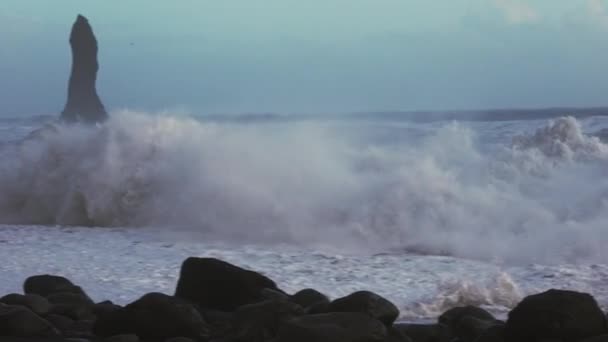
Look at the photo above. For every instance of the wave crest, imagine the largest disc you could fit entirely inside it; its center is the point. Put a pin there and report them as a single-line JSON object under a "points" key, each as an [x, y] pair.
{"points": [[308, 183]]}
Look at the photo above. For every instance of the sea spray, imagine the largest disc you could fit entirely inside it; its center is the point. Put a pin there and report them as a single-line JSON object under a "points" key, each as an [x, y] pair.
{"points": [[540, 198]]}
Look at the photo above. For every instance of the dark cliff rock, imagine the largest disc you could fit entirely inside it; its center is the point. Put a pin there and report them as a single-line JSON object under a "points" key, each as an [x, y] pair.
{"points": [[83, 104]]}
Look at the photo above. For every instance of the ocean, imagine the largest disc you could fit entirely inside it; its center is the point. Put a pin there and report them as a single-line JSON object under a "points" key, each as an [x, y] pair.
{"points": [[431, 214]]}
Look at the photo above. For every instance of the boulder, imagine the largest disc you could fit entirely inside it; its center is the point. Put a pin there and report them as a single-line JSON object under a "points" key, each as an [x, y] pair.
{"points": [[469, 329], [38, 304], [332, 327], [425, 332], [601, 338], [45, 285], [122, 338], [214, 284], [309, 297], [555, 314], [452, 316], [155, 317], [493, 334], [395, 335], [19, 321], [83, 103], [179, 339], [468, 322], [60, 322], [368, 303], [259, 322]]}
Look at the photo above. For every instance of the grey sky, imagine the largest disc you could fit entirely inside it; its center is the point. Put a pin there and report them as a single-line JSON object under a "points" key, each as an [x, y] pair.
{"points": [[232, 56]]}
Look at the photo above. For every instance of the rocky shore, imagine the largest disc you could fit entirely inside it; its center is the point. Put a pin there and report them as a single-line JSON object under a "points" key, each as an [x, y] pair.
{"points": [[220, 302]]}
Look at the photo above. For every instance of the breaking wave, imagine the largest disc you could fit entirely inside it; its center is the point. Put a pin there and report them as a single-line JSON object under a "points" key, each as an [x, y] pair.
{"points": [[541, 198]]}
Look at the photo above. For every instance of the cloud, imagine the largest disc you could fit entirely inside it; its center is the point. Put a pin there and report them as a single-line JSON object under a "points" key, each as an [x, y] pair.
{"points": [[516, 11], [598, 12]]}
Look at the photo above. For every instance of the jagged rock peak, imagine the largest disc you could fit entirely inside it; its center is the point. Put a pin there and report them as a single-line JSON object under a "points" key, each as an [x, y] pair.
{"points": [[83, 103]]}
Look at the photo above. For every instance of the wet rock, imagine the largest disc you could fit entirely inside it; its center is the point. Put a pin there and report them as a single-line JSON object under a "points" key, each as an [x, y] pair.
{"points": [[69, 298], [83, 103], [38, 304], [19, 321], [104, 308], [493, 334], [122, 338], [452, 316], [179, 339], [469, 329], [309, 297], [61, 323], [259, 322], [555, 314], [395, 335], [214, 284], [154, 317], [45, 285], [425, 332], [332, 327], [368, 303], [602, 338]]}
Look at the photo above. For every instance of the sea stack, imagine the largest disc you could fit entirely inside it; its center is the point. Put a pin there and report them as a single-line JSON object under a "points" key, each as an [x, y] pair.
{"points": [[83, 103]]}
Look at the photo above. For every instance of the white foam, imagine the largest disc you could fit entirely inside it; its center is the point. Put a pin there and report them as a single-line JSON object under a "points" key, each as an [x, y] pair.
{"points": [[541, 199]]}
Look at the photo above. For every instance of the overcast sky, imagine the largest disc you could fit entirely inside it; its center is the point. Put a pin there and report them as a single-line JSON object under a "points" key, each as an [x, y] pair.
{"points": [[232, 56]]}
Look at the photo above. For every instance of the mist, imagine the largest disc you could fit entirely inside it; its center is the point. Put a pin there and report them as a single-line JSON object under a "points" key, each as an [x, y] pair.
{"points": [[319, 184]]}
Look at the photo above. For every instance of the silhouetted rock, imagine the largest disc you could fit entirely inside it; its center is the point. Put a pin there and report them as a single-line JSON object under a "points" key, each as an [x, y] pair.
{"points": [[62, 323], [555, 314], [153, 317], [602, 338], [259, 322], [333, 327], [368, 303], [309, 297], [83, 104], [468, 322], [218, 285], [122, 338], [452, 316], [46, 284], [38, 304], [425, 332], [20, 321], [493, 334]]}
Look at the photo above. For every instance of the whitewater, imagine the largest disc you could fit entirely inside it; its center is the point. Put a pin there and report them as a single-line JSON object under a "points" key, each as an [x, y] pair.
{"points": [[430, 215]]}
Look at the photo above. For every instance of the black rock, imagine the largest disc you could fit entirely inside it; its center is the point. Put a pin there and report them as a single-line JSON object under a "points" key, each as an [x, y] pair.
{"points": [[104, 308], [602, 338], [469, 329], [81, 329], [395, 335], [154, 317], [38, 304], [425, 332], [555, 314], [179, 339], [68, 298], [83, 104], [332, 327], [62, 323], [45, 285], [468, 322], [493, 334], [122, 338], [19, 321], [452, 316], [259, 322], [214, 284], [309, 297], [368, 303]]}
